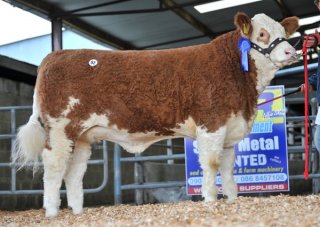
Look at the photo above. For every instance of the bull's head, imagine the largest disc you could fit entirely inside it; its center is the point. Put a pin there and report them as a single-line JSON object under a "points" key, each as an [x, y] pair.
{"points": [[268, 37]]}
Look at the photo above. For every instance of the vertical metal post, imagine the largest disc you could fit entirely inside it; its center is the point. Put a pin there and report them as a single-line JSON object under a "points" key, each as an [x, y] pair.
{"points": [[13, 130], [56, 34], [290, 137], [314, 106], [315, 169], [105, 160], [170, 150], [117, 174], [315, 155], [138, 179]]}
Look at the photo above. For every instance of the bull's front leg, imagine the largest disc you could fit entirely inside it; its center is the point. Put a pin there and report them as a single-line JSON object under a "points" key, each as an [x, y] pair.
{"points": [[229, 185], [210, 147]]}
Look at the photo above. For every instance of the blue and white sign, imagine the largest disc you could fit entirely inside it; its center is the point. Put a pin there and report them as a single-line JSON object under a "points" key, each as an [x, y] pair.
{"points": [[261, 163]]}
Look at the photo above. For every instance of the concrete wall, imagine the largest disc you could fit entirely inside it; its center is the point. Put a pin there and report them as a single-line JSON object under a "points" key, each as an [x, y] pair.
{"points": [[12, 93]]}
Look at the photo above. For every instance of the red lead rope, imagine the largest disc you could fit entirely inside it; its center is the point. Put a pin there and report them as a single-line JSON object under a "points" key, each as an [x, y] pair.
{"points": [[306, 112]]}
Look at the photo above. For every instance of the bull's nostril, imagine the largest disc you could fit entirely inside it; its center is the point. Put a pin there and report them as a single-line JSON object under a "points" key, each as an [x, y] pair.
{"points": [[289, 51]]}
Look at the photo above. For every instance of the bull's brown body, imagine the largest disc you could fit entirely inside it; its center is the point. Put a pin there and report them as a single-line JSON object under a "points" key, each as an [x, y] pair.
{"points": [[154, 90]]}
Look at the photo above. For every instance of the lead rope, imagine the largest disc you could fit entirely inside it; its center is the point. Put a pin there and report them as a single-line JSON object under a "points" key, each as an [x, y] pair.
{"points": [[306, 105], [280, 96], [306, 111]]}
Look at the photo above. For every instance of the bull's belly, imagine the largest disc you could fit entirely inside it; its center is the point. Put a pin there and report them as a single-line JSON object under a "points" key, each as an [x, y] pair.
{"points": [[237, 128], [135, 142]]}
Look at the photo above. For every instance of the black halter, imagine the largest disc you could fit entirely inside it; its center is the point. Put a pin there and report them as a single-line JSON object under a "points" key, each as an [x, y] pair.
{"points": [[266, 51]]}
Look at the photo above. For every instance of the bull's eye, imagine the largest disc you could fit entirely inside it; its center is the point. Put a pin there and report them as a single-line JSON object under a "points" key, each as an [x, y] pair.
{"points": [[263, 36]]}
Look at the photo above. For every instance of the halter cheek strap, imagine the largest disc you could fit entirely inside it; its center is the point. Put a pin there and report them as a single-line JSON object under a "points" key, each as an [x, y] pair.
{"points": [[267, 51]]}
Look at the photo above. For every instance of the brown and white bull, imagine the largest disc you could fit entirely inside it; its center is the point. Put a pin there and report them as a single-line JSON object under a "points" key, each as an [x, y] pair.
{"points": [[136, 98]]}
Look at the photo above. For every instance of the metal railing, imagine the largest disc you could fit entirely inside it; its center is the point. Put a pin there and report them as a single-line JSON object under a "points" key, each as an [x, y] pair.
{"points": [[139, 183], [13, 173], [138, 161]]}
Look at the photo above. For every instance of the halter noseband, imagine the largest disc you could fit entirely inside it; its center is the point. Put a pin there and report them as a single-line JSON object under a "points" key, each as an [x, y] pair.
{"points": [[267, 51], [245, 45]]}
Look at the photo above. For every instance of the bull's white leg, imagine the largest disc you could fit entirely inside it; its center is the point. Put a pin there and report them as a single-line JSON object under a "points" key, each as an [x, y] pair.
{"points": [[210, 147], [229, 185], [55, 163], [74, 176]]}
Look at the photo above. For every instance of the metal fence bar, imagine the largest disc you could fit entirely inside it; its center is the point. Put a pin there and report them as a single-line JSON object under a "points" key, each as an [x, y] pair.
{"points": [[296, 149], [9, 108], [7, 136], [138, 179], [301, 177], [300, 118], [152, 158], [104, 161], [13, 129], [117, 174], [170, 151], [151, 185]]}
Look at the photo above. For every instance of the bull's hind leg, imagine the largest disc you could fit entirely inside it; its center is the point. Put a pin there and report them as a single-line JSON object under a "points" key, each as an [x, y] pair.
{"points": [[210, 147], [74, 176], [229, 185], [55, 161]]}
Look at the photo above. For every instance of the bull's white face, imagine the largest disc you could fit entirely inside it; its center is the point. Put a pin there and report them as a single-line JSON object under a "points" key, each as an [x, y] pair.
{"points": [[265, 31]]}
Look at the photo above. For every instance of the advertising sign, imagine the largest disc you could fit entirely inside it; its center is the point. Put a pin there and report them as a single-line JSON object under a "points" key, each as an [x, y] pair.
{"points": [[261, 163]]}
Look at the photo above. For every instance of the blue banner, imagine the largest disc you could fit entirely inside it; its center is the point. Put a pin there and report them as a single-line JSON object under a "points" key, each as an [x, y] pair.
{"points": [[261, 163]]}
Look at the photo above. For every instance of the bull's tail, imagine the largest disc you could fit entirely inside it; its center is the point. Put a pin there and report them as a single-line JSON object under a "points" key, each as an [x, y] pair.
{"points": [[30, 141]]}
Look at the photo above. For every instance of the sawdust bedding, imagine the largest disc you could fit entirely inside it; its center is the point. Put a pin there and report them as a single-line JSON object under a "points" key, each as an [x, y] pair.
{"points": [[281, 210]]}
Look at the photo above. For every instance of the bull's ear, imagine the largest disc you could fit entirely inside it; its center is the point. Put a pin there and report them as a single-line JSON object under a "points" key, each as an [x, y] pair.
{"points": [[290, 24], [243, 22]]}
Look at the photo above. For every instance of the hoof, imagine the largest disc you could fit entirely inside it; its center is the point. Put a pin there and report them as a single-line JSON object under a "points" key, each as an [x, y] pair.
{"points": [[51, 213], [77, 211], [209, 199], [230, 199]]}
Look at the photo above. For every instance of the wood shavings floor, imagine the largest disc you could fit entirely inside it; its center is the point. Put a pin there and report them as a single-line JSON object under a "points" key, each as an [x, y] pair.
{"points": [[282, 210]]}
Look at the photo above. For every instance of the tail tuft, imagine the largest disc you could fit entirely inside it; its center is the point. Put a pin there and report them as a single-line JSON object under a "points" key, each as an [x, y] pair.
{"points": [[29, 145]]}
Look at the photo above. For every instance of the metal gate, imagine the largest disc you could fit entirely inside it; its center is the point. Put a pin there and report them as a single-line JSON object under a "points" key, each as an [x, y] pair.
{"points": [[12, 111]]}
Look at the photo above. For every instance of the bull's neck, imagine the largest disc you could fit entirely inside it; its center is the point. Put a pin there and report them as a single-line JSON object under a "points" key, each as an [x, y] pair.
{"points": [[265, 70], [229, 42], [261, 69]]}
